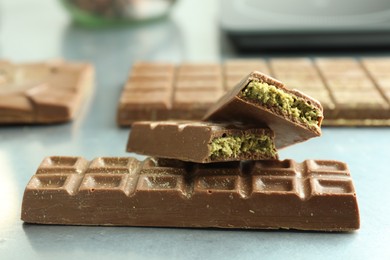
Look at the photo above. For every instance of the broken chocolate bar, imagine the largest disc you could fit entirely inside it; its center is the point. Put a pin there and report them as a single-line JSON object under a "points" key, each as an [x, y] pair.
{"points": [[353, 92], [42, 93], [312, 195], [201, 142], [258, 98]]}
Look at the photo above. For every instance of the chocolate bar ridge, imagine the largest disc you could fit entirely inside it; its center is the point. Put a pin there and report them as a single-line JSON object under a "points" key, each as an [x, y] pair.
{"points": [[312, 195], [201, 142], [288, 129]]}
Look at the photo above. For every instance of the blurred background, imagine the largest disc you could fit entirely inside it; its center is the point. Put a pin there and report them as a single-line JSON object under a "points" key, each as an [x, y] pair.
{"points": [[187, 30], [112, 35], [178, 30]]}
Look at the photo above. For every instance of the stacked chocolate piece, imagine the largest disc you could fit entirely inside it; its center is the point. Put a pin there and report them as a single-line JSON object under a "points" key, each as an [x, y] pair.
{"points": [[220, 172], [242, 184]]}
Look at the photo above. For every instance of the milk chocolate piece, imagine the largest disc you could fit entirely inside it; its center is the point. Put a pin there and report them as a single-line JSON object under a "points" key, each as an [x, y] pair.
{"points": [[46, 92], [293, 116], [201, 142], [312, 195]]}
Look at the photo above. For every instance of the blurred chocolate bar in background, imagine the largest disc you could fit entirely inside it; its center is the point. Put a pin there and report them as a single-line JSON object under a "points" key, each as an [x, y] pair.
{"points": [[353, 92], [44, 92]]}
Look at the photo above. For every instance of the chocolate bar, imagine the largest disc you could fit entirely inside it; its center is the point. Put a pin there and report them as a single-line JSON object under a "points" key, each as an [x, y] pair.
{"points": [[258, 98], [312, 195], [329, 80], [201, 142], [42, 93]]}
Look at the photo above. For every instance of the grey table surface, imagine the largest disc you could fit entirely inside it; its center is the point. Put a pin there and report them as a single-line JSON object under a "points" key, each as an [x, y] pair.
{"points": [[38, 30]]}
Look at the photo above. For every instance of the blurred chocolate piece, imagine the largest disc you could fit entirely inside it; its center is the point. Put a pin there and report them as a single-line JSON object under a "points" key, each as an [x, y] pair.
{"points": [[262, 100], [378, 70], [201, 142], [43, 93], [354, 92], [326, 79], [147, 94], [312, 195], [197, 87]]}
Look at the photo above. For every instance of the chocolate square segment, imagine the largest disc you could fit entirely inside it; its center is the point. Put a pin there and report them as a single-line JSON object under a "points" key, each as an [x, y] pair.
{"points": [[216, 183], [326, 166], [274, 185], [65, 184], [160, 182], [48, 182], [103, 182], [63, 164], [113, 165], [329, 186], [274, 167]]}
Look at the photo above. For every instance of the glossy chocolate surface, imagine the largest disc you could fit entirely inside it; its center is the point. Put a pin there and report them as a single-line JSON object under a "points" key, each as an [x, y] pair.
{"points": [[192, 140], [312, 195]]}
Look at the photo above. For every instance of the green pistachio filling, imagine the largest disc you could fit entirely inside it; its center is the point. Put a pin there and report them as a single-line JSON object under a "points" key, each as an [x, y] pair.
{"points": [[233, 146], [289, 104]]}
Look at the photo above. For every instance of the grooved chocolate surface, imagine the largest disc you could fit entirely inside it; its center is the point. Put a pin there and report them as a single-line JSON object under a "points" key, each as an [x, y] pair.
{"points": [[191, 140], [353, 92], [46, 92], [312, 195]]}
